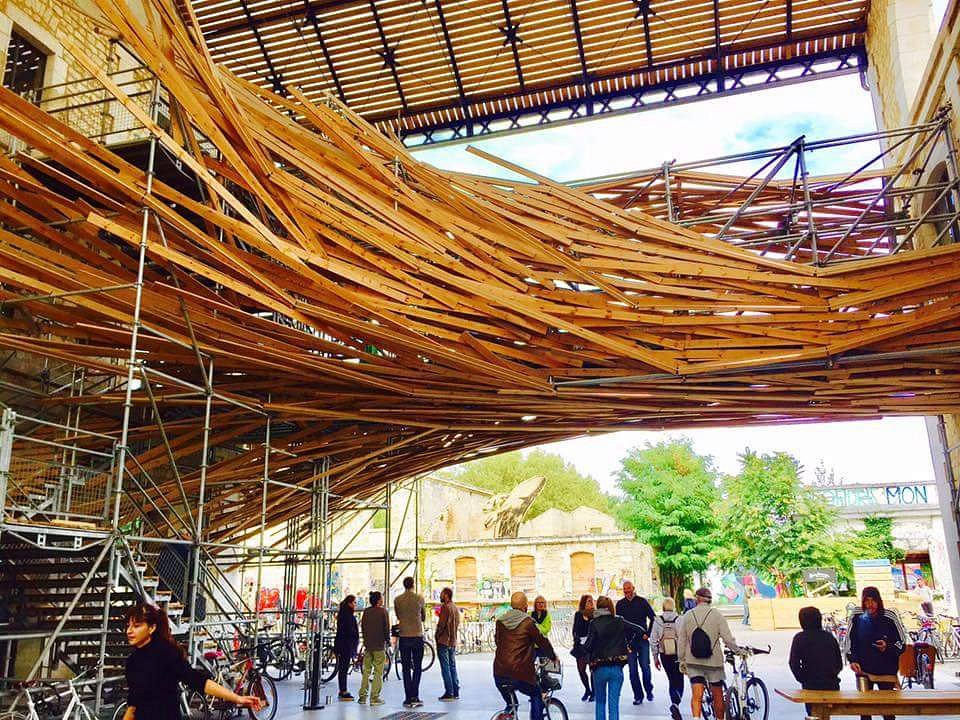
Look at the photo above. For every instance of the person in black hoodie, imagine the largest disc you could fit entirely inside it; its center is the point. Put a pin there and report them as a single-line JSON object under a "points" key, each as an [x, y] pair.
{"points": [[607, 645], [874, 643], [345, 643], [815, 654]]}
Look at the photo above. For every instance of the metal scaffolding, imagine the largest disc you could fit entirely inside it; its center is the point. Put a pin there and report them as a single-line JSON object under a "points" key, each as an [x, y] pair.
{"points": [[83, 509]]}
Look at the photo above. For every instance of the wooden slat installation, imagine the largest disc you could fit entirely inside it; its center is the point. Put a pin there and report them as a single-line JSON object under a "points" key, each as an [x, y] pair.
{"points": [[416, 64], [392, 319]]}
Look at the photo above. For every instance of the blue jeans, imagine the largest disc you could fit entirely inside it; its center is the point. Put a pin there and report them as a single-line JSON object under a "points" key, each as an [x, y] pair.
{"points": [[640, 653], [671, 666], [607, 683], [448, 669], [411, 659], [506, 686]]}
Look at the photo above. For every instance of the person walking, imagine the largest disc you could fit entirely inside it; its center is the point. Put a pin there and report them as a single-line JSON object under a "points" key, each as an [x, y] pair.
{"points": [[410, 611], [701, 657], [607, 645], [516, 637], [375, 628], [448, 625], [663, 647], [157, 666], [636, 611], [815, 655], [688, 601], [925, 593], [874, 643], [345, 643], [747, 594], [581, 625]]}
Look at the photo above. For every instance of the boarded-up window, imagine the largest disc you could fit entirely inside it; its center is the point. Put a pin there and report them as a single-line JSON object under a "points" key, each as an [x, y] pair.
{"points": [[465, 580], [582, 572], [523, 575]]}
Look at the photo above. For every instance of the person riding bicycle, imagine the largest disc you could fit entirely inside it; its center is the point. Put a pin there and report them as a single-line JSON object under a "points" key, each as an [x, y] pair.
{"points": [[701, 658], [516, 637], [158, 664]]}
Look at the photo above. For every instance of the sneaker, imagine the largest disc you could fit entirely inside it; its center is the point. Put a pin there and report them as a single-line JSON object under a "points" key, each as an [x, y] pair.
{"points": [[649, 697], [586, 696], [345, 697], [447, 697], [376, 701], [417, 702], [638, 701], [362, 699], [675, 713]]}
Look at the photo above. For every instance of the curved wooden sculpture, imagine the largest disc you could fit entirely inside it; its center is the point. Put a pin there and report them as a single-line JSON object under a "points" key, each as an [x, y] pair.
{"points": [[393, 318]]}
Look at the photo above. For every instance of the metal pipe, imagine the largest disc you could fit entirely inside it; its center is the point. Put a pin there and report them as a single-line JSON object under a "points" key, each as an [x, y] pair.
{"points": [[201, 499], [138, 300], [263, 521], [68, 293]]}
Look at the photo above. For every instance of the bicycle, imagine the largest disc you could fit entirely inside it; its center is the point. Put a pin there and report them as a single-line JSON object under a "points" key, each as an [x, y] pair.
{"points": [[242, 676], [747, 697], [48, 705], [330, 663], [923, 661], [429, 657], [193, 706], [950, 629], [550, 679], [928, 633]]}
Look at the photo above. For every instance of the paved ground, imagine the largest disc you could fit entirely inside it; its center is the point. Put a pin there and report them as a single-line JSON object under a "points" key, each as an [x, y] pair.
{"points": [[479, 698]]}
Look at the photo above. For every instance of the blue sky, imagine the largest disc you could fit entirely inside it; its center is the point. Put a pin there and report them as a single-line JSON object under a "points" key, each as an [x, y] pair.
{"points": [[889, 450]]}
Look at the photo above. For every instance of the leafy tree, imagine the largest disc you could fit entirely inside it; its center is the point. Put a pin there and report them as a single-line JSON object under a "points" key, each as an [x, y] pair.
{"points": [[565, 489], [670, 495], [876, 540], [774, 524]]}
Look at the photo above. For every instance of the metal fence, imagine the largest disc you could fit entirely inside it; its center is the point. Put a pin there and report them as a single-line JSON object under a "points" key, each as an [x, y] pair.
{"points": [[51, 472]]}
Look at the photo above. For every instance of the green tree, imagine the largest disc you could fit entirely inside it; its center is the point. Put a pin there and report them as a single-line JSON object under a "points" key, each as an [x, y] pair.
{"points": [[566, 488], [670, 498], [876, 540], [772, 523]]}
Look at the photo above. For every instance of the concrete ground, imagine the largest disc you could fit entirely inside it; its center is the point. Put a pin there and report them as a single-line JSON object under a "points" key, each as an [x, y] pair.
{"points": [[480, 700]]}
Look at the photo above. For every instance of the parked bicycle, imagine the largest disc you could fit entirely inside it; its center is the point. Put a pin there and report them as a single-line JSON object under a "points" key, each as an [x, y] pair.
{"points": [[330, 663], [429, 656], [950, 630], [193, 706], [45, 700], [924, 655], [928, 633], [238, 672], [746, 696], [550, 679]]}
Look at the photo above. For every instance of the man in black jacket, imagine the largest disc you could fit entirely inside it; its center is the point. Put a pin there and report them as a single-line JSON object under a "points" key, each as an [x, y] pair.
{"points": [[815, 655], [637, 611]]}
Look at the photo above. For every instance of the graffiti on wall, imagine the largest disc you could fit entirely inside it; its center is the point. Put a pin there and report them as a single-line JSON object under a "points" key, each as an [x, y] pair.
{"points": [[728, 589], [493, 589], [610, 583]]}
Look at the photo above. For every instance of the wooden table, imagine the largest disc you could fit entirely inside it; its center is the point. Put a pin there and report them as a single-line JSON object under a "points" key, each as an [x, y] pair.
{"points": [[827, 703]]}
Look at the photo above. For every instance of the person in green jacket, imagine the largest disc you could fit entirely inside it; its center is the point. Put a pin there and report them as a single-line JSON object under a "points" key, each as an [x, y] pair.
{"points": [[540, 615]]}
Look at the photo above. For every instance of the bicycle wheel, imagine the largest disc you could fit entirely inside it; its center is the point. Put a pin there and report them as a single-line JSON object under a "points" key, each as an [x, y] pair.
{"points": [[387, 663], [925, 670], [553, 709], [429, 656], [197, 707], [734, 710], [756, 700], [328, 664], [262, 687], [120, 711], [280, 661]]}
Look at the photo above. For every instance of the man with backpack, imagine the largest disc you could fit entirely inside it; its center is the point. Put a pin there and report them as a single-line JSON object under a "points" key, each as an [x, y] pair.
{"points": [[699, 633], [663, 646]]}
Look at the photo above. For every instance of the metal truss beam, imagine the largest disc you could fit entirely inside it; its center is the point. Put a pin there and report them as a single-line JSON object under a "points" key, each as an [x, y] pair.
{"points": [[389, 54], [689, 89], [438, 4], [510, 32], [584, 73], [311, 14]]}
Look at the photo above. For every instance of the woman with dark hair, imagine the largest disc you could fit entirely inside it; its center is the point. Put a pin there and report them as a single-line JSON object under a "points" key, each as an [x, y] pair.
{"points": [[581, 623], [345, 643], [607, 642], [874, 643], [158, 664]]}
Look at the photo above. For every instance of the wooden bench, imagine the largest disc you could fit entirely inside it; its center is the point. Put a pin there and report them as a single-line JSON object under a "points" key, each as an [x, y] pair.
{"points": [[827, 703]]}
